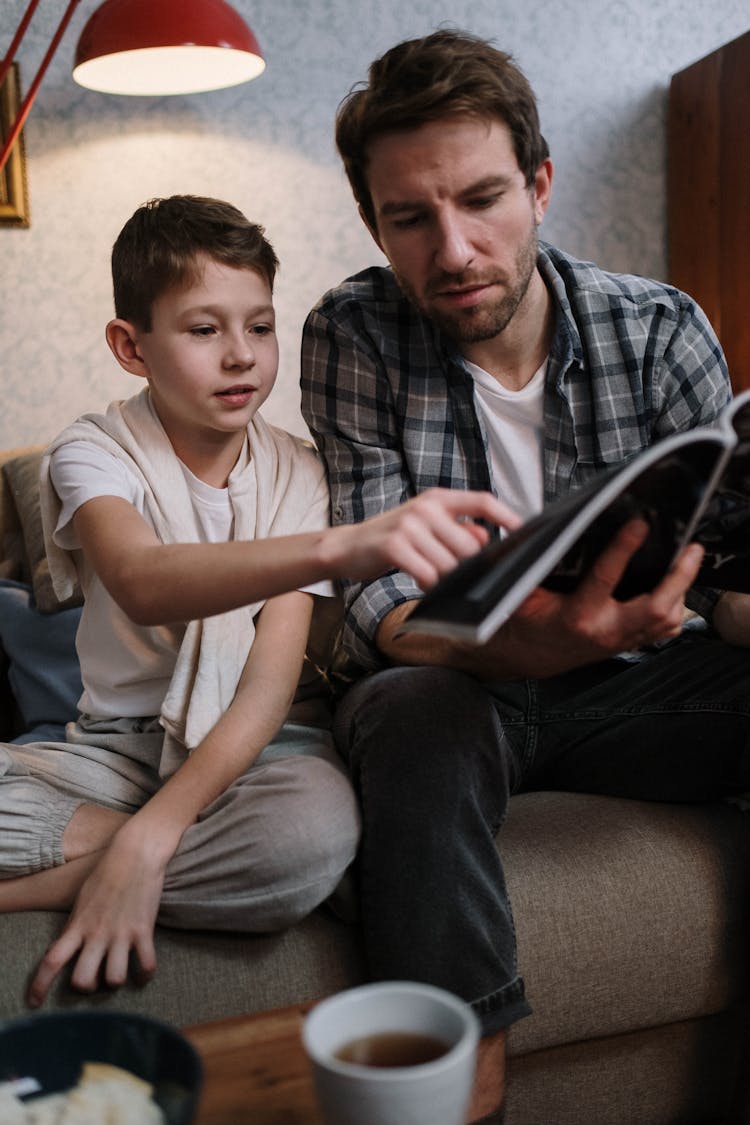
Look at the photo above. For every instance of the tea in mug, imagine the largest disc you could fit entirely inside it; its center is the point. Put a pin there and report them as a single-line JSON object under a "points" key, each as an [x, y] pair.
{"points": [[393, 1048]]}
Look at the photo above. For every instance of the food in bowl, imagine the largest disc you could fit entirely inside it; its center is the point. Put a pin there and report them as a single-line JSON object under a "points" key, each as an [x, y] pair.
{"points": [[105, 1094], [69, 1060]]}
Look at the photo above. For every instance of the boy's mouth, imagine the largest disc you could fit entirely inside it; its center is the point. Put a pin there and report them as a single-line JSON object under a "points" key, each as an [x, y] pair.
{"points": [[237, 394]]}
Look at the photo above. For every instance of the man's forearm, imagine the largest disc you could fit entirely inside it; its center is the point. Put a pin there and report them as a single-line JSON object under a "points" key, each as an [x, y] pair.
{"points": [[731, 618], [411, 648], [511, 654]]}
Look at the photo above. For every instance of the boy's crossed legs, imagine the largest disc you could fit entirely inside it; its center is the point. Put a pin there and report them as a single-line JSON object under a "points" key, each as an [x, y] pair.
{"points": [[264, 854]]}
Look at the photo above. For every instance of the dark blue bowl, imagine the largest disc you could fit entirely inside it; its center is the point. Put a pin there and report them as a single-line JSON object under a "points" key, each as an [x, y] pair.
{"points": [[53, 1047]]}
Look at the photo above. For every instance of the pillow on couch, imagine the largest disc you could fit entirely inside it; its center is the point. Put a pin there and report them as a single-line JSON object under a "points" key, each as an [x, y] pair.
{"points": [[9, 720], [43, 670], [22, 475]]}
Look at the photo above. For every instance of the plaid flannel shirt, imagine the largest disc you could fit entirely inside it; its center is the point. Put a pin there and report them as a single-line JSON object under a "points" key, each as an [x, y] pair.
{"points": [[391, 405]]}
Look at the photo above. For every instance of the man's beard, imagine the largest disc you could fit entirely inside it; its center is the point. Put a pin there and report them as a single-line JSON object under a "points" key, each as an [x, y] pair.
{"points": [[472, 325]]}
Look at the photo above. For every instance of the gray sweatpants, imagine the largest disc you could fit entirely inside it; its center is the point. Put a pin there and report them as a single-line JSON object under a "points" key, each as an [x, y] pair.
{"points": [[264, 854]]}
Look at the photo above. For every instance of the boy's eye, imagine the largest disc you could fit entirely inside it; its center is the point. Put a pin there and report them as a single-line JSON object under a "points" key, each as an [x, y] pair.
{"points": [[202, 330], [262, 329]]}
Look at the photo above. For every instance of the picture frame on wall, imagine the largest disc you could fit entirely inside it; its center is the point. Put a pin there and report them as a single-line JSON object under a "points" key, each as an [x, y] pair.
{"points": [[14, 192]]}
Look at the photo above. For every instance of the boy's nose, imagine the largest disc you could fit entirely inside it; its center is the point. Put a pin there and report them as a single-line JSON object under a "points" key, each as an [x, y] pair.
{"points": [[239, 352]]}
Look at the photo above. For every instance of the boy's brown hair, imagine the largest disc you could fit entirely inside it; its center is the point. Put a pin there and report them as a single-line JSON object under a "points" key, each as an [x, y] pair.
{"points": [[448, 73], [160, 246]]}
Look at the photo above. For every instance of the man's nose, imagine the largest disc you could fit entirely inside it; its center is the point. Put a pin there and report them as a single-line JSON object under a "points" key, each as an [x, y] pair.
{"points": [[453, 250]]}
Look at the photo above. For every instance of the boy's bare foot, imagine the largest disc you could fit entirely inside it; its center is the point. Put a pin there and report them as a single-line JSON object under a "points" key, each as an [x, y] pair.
{"points": [[489, 1082]]}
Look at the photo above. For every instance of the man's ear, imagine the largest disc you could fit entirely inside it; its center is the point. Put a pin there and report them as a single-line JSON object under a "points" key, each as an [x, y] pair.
{"points": [[542, 189], [122, 337], [373, 233]]}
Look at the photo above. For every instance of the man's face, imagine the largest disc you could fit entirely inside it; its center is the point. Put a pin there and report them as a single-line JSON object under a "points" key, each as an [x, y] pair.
{"points": [[458, 223]]}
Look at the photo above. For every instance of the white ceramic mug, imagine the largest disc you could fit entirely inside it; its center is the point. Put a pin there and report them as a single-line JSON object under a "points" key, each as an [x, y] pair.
{"points": [[436, 1092]]}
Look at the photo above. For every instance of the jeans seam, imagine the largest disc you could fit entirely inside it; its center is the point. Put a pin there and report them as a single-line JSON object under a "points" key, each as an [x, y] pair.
{"points": [[611, 713]]}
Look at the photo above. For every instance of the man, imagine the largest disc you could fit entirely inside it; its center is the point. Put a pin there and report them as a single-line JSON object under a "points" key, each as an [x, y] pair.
{"points": [[482, 358]]}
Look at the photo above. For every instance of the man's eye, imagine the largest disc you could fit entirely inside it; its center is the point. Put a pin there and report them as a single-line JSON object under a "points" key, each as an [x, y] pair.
{"points": [[483, 201], [407, 222]]}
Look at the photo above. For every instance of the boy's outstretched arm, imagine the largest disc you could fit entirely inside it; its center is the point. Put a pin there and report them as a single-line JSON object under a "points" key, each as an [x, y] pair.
{"points": [[116, 907], [156, 583]]}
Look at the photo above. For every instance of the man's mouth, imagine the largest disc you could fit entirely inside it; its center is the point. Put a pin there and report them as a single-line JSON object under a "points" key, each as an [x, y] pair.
{"points": [[463, 296], [461, 290]]}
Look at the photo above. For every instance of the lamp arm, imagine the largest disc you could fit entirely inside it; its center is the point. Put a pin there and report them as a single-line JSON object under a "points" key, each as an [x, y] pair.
{"points": [[25, 107], [5, 65]]}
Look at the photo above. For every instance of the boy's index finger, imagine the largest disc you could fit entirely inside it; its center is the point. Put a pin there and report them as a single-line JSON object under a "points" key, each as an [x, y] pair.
{"points": [[483, 505]]}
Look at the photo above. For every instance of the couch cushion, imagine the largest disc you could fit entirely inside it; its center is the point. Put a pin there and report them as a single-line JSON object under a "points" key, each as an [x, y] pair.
{"points": [[684, 1073], [200, 976], [9, 719], [628, 914], [12, 552], [22, 475]]}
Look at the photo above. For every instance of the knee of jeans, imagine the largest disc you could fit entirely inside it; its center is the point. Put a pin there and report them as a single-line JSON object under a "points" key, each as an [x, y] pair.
{"points": [[406, 714]]}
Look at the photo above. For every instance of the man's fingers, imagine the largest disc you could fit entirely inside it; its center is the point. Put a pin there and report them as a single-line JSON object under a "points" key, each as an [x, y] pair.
{"points": [[613, 562], [684, 572], [611, 565]]}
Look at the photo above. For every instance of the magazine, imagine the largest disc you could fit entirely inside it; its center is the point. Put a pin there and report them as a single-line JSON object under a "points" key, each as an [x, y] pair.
{"points": [[692, 486]]}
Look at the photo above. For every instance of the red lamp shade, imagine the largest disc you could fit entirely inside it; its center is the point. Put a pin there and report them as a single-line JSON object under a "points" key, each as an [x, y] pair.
{"points": [[165, 47]]}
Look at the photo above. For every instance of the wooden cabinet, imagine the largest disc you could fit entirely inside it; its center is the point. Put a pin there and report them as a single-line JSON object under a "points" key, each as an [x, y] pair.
{"points": [[709, 194]]}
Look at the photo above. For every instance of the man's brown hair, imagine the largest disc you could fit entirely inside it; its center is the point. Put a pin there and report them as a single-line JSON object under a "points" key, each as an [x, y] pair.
{"points": [[448, 73], [160, 247]]}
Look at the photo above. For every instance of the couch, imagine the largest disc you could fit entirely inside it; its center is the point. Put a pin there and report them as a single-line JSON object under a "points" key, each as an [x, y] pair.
{"points": [[633, 918]]}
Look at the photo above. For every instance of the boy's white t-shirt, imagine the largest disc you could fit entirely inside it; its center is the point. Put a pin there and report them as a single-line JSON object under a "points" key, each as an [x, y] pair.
{"points": [[127, 668], [513, 423]]}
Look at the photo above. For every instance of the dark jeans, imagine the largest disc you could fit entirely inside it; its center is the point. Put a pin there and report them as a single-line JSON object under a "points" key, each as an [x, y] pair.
{"points": [[435, 756]]}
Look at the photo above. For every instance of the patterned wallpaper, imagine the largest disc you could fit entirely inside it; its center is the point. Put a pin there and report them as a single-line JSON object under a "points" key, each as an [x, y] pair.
{"points": [[600, 68]]}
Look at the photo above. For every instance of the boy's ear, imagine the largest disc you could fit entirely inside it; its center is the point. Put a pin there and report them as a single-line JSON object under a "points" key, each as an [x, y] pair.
{"points": [[122, 337]]}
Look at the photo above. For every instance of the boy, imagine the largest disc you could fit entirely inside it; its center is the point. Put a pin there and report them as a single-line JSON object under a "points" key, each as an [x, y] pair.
{"points": [[197, 532]]}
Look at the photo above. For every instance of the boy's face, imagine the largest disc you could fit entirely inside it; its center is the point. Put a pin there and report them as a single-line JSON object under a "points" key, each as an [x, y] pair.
{"points": [[212, 354]]}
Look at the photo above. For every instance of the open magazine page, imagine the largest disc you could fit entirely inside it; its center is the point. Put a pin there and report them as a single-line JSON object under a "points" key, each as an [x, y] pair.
{"points": [[724, 525], [665, 485]]}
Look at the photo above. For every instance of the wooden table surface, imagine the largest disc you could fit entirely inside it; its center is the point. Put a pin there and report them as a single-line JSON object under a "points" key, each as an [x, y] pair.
{"points": [[255, 1070]]}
